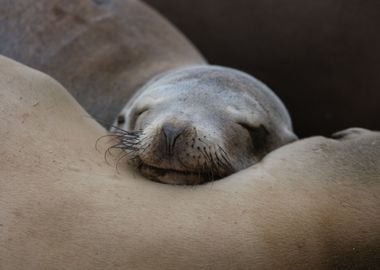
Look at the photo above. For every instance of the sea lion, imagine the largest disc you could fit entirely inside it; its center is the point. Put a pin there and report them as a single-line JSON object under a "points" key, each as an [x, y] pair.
{"points": [[104, 51], [312, 204], [201, 123], [306, 59], [101, 51]]}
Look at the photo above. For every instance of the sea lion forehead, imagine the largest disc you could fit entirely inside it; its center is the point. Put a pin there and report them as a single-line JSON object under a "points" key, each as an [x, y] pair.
{"points": [[225, 90], [216, 76], [203, 97], [202, 82]]}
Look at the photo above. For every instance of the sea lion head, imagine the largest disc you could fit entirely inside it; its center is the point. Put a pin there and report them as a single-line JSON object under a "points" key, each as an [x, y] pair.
{"points": [[201, 123]]}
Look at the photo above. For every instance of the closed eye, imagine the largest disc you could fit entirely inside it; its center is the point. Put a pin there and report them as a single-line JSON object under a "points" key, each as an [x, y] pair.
{"points": [[136, 116], [259, 135]]}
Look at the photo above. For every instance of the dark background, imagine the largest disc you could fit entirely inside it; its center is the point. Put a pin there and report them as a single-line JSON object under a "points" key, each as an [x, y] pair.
{"points": [[322, 57]]}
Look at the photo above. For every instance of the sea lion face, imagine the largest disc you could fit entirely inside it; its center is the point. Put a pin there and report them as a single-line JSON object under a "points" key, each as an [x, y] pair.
{"points": [[201, 124]]}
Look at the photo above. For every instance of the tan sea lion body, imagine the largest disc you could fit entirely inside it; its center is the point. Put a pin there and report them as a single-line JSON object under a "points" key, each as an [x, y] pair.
{"points": [[313, 204]]}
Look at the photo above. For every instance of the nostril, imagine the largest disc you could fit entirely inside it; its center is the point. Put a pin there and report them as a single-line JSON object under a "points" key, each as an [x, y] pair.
{"points": [[171, 133]]}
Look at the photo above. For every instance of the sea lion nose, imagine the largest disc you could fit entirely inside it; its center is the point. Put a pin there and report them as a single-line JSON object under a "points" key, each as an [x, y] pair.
{"points": [[171, 132]]}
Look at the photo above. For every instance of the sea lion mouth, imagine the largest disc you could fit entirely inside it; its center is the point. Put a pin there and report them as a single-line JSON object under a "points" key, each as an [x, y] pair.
{"points": [[171, 176]]}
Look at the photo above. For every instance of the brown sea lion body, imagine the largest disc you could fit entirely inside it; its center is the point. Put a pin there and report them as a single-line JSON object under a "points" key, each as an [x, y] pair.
{"points": [[101, 51]]}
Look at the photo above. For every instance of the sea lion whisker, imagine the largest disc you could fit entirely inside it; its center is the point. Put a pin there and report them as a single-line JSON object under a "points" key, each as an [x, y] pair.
{"points": [[123, 131], [123, 146], [206, 156], [129, 133], [145, 146], [127, 150], [117, 162], [220, 163], [131, 149], [102, 137], [224, 161], [120, 145], [209, 163], [134, 140], [202, 141], [225, 156], [128, 142], [108, 153], [215, 161], [212, 160], [217, 166], [198, 172], [223, 167], [223, 151]]}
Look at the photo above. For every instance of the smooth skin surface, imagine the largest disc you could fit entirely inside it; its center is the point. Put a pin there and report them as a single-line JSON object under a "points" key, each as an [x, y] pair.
{"points": [[313, 204]]}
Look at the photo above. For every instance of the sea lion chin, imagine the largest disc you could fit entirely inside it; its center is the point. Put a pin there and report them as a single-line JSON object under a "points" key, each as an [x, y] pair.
{"points": [[200, 124]]}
